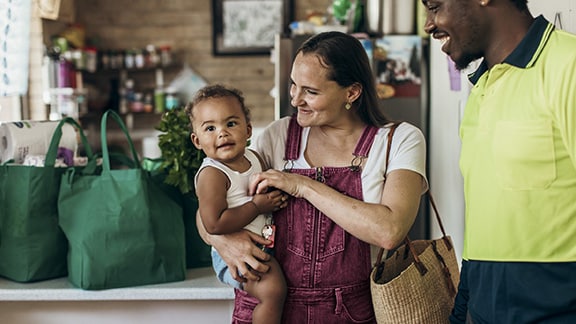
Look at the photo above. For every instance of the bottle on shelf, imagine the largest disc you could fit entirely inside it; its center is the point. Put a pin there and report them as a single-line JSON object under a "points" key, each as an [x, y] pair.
{"points": [[159, 92], [127, 97], [148, 104], [137, 104]]}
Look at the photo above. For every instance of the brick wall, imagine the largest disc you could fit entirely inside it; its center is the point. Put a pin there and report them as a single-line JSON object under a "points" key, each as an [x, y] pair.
{"points": [[186, 25]]}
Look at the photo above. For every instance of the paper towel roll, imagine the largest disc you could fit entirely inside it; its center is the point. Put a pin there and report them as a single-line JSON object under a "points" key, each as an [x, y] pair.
{"points": [[150, 148], [388, 18], [19, 139], [404, 16]]}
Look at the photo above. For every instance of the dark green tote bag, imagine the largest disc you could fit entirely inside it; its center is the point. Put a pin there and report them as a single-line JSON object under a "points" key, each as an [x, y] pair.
{"points": [[122, 229], [32, 246], [198, 253]]}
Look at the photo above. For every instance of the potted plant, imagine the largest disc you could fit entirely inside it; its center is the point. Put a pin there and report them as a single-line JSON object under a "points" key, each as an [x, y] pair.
{"points": [[178, 165]]}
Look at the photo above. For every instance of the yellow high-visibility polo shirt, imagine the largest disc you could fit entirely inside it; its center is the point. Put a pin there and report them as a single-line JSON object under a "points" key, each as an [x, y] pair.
{"points": [[518, 154]]}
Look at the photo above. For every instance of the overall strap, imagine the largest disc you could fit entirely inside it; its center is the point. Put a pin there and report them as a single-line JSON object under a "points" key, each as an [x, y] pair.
{"points": [[293, 140], [365, 142]]}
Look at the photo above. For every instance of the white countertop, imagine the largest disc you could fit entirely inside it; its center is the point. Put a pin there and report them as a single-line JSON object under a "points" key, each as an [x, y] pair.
{"points": [[200, 284]]}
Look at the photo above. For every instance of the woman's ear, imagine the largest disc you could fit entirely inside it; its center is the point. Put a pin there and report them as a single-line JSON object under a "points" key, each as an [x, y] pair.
{"points": [[354, 92]]}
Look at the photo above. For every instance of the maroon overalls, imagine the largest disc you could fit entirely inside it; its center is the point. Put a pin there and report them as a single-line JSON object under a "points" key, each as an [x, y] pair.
{"points": [[327, 269]]}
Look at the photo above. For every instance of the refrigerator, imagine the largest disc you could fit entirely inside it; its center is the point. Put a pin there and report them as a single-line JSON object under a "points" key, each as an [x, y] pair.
{"points": [[408, 80], [448, 94]]}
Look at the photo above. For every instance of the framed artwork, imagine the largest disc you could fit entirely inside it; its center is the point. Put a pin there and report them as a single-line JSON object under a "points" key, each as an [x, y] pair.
{"points": [[248, 27], [398, 62]]}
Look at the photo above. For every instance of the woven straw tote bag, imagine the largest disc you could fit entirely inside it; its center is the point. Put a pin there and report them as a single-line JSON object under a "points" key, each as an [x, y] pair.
{"points": [[416, 283]]}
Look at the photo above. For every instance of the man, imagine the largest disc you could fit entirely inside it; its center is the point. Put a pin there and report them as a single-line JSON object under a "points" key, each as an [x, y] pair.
{"points": [[518, 161]]}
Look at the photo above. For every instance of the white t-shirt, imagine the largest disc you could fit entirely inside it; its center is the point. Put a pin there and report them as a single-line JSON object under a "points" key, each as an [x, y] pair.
{"points": [[408, 151]]}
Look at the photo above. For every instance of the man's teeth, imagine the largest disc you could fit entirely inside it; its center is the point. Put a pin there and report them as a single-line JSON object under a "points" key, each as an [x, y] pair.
{"points": [[444, 40]]}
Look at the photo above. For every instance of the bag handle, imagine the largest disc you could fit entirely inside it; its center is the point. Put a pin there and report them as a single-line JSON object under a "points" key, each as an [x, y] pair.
{"points": [[421, 268], [103, 139], [55, 141]]}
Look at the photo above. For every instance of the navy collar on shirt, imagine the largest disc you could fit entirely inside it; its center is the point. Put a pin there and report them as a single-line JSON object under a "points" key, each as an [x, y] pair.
{"points": [[524, 53]]}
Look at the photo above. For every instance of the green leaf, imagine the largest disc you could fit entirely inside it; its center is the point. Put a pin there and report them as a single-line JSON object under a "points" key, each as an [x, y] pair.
{"points": [[181, 159]]}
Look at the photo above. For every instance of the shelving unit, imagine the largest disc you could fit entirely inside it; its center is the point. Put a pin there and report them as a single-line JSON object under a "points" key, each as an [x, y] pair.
{"points": [[141, 125]]}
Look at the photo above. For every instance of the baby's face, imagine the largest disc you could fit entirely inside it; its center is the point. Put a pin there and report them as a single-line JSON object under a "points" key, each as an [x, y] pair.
{"points": [[220, 128]]}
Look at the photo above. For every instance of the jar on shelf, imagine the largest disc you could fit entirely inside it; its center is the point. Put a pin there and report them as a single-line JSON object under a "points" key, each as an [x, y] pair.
{"points": [[148, 104], [165, 55], [105, 59], [171, 100], [129, 61], [139, 61], [91, 59], [152, 56], [138, 103]]}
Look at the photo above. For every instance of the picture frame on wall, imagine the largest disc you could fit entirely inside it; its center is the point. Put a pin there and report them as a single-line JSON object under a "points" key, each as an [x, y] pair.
{"points": [[248, 27], [397, 60]]}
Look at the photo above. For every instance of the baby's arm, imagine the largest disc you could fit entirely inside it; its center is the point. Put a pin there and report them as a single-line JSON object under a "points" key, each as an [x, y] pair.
{"points": [[217, 217]]}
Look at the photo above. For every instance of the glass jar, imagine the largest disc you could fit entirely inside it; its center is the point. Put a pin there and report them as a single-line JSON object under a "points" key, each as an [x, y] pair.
{"points": [[171, 100], [165, 55]]}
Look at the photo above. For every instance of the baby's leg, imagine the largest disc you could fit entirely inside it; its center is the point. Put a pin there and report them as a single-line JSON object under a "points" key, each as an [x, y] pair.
{"points": [[271, 292]]}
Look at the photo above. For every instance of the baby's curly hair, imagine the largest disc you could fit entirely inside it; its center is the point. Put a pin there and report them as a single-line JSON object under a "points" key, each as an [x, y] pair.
{"points": [[217, 91]]}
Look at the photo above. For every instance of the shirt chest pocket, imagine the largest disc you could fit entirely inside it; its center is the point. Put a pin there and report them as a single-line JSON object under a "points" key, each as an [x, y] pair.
{"points": [[524, 157]]}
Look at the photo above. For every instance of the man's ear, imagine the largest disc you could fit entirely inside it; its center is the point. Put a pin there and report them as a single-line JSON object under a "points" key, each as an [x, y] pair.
{"points": [[194, 140]]}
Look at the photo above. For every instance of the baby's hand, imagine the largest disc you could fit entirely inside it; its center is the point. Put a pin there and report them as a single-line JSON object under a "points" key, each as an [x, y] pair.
{"points": [[270, 201]]}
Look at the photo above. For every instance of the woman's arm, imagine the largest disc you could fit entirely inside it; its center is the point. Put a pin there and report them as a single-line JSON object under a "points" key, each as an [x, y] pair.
{"points": [[239, 251], [385, 224]]}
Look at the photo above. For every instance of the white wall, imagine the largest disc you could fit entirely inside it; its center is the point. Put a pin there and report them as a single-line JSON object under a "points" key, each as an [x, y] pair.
{"points": [[446, 184], [556, 11]]}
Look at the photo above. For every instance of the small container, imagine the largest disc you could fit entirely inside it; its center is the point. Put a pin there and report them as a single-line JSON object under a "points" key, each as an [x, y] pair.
{"points": [[148, 106], [159, 100], [165, 55], [171, 100], [129, 59], [139, 61], [152, 56], [91, 58], [116, 60], [79, 59], [105, 59], [137, 104]]}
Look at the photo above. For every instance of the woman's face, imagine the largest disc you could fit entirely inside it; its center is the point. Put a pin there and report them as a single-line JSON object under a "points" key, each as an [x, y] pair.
{"points": [[319, 101]]}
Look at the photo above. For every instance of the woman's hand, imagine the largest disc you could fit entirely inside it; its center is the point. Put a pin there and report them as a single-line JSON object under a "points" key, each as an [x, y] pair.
{"points": [[239, 251], [290, 183], [241, 254], [383, 224]]}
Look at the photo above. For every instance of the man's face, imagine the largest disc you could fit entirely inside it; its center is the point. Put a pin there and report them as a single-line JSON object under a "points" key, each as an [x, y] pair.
{"points": [[457, 24]]}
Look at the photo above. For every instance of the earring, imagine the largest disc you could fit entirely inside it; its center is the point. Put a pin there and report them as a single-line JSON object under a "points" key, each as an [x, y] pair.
{"points": [[348, 106]]}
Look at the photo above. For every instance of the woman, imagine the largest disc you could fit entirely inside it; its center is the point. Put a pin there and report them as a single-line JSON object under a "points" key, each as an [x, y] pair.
{"points": [[333, 157]]}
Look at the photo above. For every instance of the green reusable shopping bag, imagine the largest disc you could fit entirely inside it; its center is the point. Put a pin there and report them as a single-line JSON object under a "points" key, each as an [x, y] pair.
{"points": [[32, 246], [198, 253], [122, 229]]}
